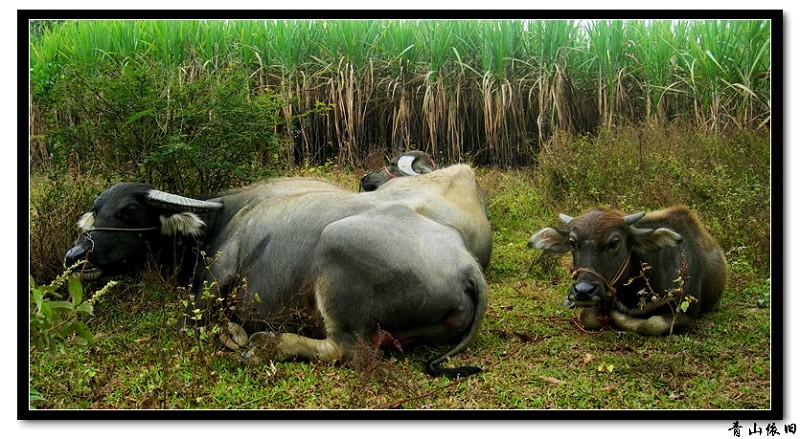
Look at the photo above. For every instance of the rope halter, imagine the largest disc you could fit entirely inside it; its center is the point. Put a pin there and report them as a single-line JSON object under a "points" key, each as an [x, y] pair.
{"points": [[609, 286], [388, 173], [88, 234], [121, 229]]}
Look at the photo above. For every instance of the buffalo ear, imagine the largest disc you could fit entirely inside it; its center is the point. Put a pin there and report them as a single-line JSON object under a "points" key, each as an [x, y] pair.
{"points": [[550, 240], [183, 223], [85, 223], [650, 239], [423, 168], [424, 164]]}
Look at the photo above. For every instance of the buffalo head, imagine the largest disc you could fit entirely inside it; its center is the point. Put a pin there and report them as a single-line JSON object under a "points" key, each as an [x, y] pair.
{"points": [[407, 164], [602, 242], [125, 220]]}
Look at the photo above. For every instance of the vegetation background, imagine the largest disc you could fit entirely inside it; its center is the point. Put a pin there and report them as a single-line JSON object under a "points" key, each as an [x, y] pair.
{"points": [[557, 116]]}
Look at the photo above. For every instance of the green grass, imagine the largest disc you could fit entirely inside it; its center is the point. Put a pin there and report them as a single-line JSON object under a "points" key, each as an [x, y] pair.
{"points": [[528, 338], [533, 355]]}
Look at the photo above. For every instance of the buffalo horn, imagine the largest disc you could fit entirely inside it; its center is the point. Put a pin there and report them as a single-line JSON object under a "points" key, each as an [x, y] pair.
{"points": [[632, 218], [566, 218], [404, 164], [172, 202]]}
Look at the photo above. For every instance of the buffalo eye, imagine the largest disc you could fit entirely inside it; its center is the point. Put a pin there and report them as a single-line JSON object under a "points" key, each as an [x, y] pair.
{"points": [[128, 212], [613, 244], [573, 244]]}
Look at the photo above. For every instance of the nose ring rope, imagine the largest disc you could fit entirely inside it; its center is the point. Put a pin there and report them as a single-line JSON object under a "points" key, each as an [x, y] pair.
{"points": [[608, 285], [88, 254]]}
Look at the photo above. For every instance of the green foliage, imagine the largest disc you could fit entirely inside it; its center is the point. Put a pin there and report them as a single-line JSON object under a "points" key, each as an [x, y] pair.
{"points": [[56, 319], [56, 203], [35, 397], [483, 86], [760, 291], [177, 130], [320, 171]]}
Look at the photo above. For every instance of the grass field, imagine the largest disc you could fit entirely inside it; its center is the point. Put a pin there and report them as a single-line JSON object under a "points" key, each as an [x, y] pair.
{"points": [[533, 355]]}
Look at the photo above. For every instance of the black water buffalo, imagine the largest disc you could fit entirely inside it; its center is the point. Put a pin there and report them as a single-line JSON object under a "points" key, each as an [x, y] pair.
{"points": [[639, 269], [393, 267], [407, 164]]}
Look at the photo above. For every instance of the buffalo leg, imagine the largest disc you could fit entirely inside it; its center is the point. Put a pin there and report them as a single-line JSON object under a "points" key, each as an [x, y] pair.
{"points": [[662, 324], [234, 337], [285, 346]]}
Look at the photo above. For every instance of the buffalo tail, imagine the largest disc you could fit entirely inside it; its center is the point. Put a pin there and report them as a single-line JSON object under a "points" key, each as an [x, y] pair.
{"points": [[479, 293]]}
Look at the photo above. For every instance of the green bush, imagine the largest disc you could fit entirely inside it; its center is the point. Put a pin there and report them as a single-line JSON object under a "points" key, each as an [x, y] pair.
{"points": [[186, 130], [56, 319]]}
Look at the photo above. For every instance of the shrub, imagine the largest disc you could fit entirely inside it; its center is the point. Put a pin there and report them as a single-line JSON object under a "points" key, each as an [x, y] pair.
{"points": [[55, 319], [56, 203], [188, 131]]}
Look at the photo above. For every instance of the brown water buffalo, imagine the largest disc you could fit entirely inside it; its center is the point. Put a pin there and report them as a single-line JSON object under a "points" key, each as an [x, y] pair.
{"points": [[639, 270]]}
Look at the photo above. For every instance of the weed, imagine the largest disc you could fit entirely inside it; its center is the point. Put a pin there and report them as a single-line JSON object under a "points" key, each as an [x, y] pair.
{"points": [[761, 292], [54, 320]]}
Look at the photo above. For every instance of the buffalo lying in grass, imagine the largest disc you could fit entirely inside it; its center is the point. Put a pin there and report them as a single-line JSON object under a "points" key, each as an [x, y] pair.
{"points": [[649, 273], [398, 266]]}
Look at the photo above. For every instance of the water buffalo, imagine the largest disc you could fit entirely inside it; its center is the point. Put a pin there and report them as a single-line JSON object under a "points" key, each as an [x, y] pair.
{"points": [[406, 164], [639, 269], [319, 267]]}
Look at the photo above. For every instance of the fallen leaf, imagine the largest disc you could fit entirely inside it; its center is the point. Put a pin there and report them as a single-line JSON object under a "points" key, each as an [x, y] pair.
{"points": [[587, 358], [553, 381], [611, 388], [603, 367]]}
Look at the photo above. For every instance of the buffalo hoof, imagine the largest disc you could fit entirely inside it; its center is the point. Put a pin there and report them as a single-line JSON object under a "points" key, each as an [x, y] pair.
{"points": [[234, 337], [263, 346]]}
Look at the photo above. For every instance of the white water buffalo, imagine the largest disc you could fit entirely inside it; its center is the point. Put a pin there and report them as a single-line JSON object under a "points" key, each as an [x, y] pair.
{"points": [[610, 251], [318, 267]]}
